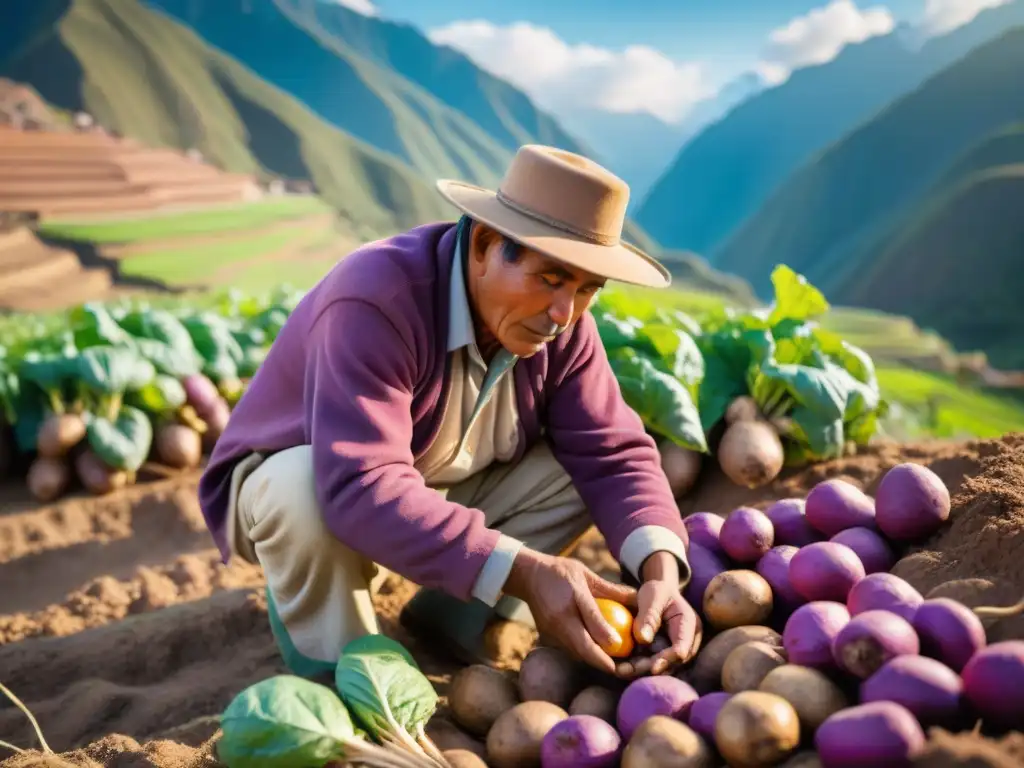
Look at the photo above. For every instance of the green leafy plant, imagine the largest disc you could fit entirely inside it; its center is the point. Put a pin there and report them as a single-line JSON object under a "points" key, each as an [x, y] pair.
{"points": [[290, 722]]}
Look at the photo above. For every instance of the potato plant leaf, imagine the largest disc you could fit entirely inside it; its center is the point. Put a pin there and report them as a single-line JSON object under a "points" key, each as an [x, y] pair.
{"points": [[795, 298], [378, 644], [385, 693], [122, 443], [284, 722]]}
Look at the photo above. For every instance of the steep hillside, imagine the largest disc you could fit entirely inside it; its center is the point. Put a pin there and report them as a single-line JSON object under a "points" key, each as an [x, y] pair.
{"points": [[728, 171], [826, 220], [151, 78], [956, 261]]}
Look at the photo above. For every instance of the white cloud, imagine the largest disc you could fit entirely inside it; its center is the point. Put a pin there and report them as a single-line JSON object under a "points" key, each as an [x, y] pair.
{"points": [[942, 16], [820, 35], [563, 78], [365, 7]]}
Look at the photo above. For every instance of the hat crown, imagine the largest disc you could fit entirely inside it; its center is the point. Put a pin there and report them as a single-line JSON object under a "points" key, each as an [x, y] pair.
{"points": [[566, 191]]}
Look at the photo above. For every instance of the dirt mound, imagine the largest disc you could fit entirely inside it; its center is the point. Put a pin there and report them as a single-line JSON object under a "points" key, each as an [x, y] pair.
{"points": [[35, 276], [151, 636]]}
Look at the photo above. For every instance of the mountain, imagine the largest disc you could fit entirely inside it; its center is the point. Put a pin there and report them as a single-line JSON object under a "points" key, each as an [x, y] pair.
{"points": [[915, 208], [956, 257], [146, 76], [727, 172], [381, 82]]}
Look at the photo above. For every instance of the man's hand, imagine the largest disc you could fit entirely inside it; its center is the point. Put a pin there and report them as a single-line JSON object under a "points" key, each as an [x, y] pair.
{"points": [[560, 592], [661, 607]]}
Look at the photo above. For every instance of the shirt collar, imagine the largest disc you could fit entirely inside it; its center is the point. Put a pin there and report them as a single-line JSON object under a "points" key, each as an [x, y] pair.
{"points": [[460, 319]]}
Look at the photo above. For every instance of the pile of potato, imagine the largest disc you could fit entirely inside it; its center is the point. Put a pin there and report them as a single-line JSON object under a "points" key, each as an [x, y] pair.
{"points": [[557, 713]]}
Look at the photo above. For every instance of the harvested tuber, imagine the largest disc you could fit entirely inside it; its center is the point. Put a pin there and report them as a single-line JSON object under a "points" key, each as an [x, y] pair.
{"points": [[680, 465], [813, 694], [178, 446], [737, 598], [756, 729], [478, 696], [59, 433], [549, 674], [597, 701], [97, 476], [48, 478], [748, 665], [742, 408], [707, 671], [750, 453], [515, 739], [661, 742]]}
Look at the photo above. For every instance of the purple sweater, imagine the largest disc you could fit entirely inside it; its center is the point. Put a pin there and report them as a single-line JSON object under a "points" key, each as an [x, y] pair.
{"points": [[359, 371]]}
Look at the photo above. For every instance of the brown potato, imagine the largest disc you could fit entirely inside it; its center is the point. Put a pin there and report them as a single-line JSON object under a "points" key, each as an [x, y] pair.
{"points": [[662, 742], [680, 465], [597, 701], [811, 693], [479, 695], [747, 666], [737, 598], [59, 433], [516, 736], [706, 674], [756, 729], [802, 760], [750, 453], [549, 674], [48, 479]]}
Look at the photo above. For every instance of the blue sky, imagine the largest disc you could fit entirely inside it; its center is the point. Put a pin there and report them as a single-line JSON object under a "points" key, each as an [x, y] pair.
{"points": [[659, 57]]}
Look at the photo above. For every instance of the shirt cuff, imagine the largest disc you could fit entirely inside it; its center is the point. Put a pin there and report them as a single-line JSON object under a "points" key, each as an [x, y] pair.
{"points": [[644, 542], [492, 577]]}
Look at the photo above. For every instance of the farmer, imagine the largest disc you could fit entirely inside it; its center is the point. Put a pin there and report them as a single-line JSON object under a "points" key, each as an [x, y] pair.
{"points": [[440, 406]]}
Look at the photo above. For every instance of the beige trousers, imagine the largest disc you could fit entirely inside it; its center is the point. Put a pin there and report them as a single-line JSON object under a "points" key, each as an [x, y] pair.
{"points": [[322, 589]]}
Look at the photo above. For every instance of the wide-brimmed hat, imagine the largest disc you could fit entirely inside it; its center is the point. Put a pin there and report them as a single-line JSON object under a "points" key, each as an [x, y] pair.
{"points": [[564, 206]]}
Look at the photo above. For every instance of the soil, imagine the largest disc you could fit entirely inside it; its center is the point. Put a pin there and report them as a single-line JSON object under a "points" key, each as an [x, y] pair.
{"points": [[125, 635]]}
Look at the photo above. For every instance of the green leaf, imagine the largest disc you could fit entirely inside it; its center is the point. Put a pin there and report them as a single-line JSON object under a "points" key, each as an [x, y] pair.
{"points": [[823, 437], [727, 358], [378, 644], [162, 396], [661, 400], [114, 370], [157, 325], [30, 412], [615, 332], [93, 325], [795, 298], [123, 443], [53, 373], [284, 722], [384, 692], [167, 359]]}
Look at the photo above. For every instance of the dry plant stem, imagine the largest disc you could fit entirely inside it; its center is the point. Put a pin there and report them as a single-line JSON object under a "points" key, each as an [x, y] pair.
{"points": [[8, 745], [31, 718], [1010, 610]]}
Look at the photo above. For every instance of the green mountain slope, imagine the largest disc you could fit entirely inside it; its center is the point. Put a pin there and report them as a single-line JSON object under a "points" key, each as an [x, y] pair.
{"points": [[150, 78], [957, 257], [727, 173], [826, 220]]}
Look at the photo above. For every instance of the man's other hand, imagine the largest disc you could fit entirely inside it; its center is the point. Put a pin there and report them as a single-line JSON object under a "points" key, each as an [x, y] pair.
{"points": [[662, 609], [561, 593]]}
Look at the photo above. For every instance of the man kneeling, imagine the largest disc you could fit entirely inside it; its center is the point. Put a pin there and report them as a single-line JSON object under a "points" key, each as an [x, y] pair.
{"points": [[441, 405]]}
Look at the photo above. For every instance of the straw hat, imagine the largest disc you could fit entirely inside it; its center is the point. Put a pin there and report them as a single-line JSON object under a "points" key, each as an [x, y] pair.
{"points": [[565, 206]]}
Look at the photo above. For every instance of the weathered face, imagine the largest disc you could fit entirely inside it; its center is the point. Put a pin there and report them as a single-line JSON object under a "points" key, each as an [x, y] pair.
{"points": [[522, 299]]}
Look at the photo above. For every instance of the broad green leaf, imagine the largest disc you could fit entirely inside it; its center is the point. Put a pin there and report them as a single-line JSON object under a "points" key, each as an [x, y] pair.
{"points": [[114, 370], [162, 396], [378, 644], [384, 692], [615, 333], [30, 412], [727, 358], [284, 722], [795, 298], [93, 325], [167, 359], [678, 351], [662, 402], [824, 437], [123, 443], [51, 372]]}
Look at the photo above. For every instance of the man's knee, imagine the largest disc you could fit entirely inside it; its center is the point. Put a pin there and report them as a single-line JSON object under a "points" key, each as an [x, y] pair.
{"points": [[280, 495]]}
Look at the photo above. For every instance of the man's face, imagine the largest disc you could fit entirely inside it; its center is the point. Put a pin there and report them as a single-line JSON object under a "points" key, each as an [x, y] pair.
{"points": [[523, 299]]}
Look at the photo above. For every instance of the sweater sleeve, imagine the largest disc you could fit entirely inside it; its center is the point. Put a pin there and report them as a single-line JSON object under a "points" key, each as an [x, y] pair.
{"points": [[613, 462], [358, 391]]}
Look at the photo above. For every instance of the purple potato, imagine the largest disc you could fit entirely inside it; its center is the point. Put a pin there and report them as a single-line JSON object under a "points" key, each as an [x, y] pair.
{"points": [[825, 571], [746, 535], [655, 695], [704, 565], [949, 631], [994, 683], [885, 592], [911, 502], [871, 639], [790, 523], [879, 734], [705, 710], [704, 528], [928, 688], [581, 741], [835, 505], [874, 551], [774, 568], [810, 631]]}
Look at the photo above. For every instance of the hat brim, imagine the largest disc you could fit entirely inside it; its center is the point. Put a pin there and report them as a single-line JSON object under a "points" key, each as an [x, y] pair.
{"points": [[623, 263]]}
